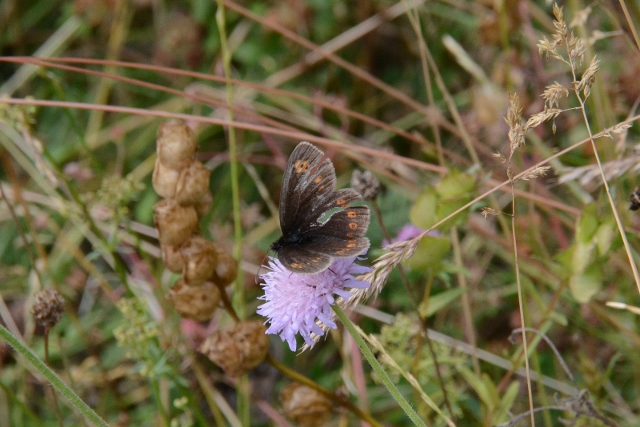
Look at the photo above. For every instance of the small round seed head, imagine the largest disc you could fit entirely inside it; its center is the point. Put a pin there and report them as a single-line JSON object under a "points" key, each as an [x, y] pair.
{"points": [[172, 258], [253, 342], [194, 302], [200, 260], [238, 350], [176, 144], [48, 308], [164, 180], [175, 223], [304, 405], [204, 204], [366, 184], [192, 184], [226, 268]]}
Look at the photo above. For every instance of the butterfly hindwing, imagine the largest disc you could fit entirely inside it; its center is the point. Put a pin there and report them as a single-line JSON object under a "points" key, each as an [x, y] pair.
{"points": [[342, 235], [300, 260]]}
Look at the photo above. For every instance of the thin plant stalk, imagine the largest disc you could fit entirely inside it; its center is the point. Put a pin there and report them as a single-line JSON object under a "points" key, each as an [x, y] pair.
{"points": [[242, 386], [368, 354], [55, 381]]}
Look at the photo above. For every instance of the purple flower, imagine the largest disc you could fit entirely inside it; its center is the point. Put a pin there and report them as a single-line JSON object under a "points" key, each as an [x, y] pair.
{"points": [[408, 231], [295, 302]]}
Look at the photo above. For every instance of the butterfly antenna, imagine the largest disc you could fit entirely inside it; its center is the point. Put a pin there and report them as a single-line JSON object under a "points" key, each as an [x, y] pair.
{"points": [[259, 268]]}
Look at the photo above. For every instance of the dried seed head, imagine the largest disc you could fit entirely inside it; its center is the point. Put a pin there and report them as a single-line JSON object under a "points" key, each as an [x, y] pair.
{"points": [[175, 223], [226, 268], [304, 405], [194, 302], [366, 184], [48, 308], [552, 95], [200, 260], [253, 341], [176, 144], [238, 350], [172, 258], [204, 204], [164, 180], [589, 77], [486, 211], [193, 183]]}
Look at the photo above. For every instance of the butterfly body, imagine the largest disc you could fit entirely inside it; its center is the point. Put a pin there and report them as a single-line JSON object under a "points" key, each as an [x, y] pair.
{"points": [[309, 245]]}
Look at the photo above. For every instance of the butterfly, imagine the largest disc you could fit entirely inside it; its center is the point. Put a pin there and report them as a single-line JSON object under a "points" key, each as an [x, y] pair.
{"points": [[308, 193]]}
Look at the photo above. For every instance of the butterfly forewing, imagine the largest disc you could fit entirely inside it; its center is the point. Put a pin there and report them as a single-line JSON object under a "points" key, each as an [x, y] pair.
{"points": [[298, 186]]}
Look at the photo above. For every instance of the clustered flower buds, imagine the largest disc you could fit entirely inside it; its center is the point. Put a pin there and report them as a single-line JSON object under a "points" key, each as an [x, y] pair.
{"points": [[304, 405], [239, 349], [183, 182], [366, 184], [48, 308]]}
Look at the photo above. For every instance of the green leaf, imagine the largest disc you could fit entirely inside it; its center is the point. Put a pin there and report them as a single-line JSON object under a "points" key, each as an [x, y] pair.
{"points": [[501, 413], [604, 237], [587, 224], [430, 306], [584, 286], [429, 253], [582, 257], [423, 212]]}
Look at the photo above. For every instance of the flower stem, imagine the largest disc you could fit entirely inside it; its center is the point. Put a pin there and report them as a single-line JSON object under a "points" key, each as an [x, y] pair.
{"points": [[53, 379], [368, 354]]}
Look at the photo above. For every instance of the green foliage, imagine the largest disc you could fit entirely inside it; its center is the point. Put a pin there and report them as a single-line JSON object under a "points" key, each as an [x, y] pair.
{"points": [[425, 99]]}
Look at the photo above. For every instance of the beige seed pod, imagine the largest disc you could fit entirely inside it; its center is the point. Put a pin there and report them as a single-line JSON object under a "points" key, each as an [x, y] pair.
{"points": [[176, 144], [192, 184], [251, 338], [238, 350], [194, 302], [304, 405], [164, 180], [204, 204], [175, 223], [226, 268], [172, 258], [222, 350], [200, 260]]}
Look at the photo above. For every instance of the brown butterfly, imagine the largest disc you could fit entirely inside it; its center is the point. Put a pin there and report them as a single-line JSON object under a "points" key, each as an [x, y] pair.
{"points": [[308, 192]]}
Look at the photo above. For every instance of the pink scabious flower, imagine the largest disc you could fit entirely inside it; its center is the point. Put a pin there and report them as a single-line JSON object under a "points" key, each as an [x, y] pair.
{"points": [[408, 231], [294, 301]]}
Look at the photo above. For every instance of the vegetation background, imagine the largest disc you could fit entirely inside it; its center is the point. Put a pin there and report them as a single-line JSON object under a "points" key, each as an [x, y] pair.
{"points": [[416, 92]]}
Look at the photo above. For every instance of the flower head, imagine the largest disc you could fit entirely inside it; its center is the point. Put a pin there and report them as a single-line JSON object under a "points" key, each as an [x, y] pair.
{"points": [[301, 303]]}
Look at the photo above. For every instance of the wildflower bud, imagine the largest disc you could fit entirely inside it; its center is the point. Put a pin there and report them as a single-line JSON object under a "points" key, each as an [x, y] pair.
{"points": [[176, 144], [226, 268], [172, 258], [175, 223], [194, 302], [193, 183], [164, 180], [48, 308], [199, 257], [304, 405], [366, 184], [203, 204], [238, 350]]}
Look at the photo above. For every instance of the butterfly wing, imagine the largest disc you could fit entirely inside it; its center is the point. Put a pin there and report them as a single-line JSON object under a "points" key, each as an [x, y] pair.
{"points": [[342, 235], [306, 174], [300, 260]]}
